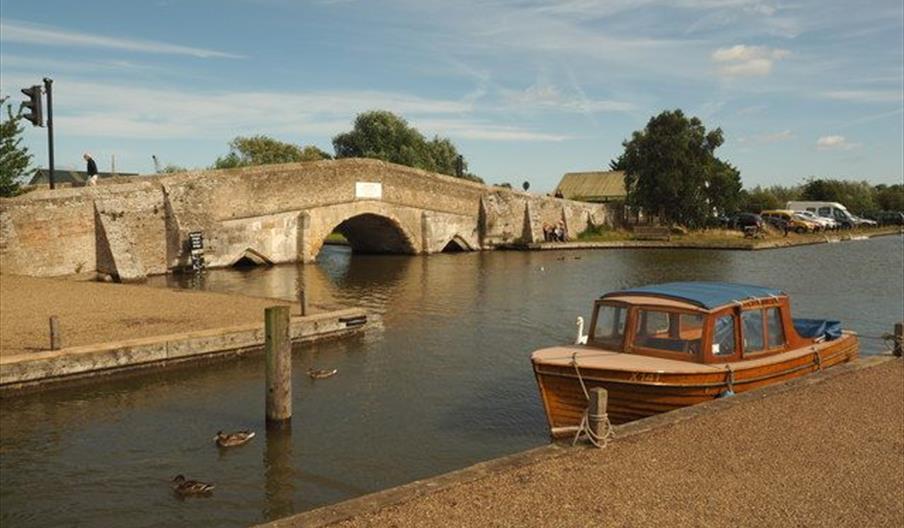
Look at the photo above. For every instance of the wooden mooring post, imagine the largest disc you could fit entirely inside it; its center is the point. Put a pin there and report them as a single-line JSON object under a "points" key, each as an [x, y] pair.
{"points": [[596, 412], [898, 349], [302, 302], [56, 340], [278, 347]]}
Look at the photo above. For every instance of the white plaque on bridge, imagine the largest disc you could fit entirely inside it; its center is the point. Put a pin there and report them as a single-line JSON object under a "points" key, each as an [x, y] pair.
{"points": [[369, 190]]}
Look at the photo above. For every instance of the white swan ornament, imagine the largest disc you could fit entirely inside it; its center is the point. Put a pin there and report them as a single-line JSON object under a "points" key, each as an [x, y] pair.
{"points": [[581, 338]]}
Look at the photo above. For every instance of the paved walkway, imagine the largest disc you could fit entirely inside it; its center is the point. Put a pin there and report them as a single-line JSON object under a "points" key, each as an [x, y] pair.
{"points": [[823, 454], [92, 312]]}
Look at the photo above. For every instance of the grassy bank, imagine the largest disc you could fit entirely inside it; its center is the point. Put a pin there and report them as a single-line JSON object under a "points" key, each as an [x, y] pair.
{"points": [[726, 238]]}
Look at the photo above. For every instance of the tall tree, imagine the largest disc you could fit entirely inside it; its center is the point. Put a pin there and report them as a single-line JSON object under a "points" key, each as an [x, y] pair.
{"points": [[15, 160], [264, 150], [385, 136], [671, 170], [890, 197], [858, 197]]}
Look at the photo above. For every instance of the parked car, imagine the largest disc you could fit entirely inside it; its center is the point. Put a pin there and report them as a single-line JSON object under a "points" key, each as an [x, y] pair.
{"points": [[890, 218], [794, 223], [833, 210], [744, 220], [826, 223], [863, 222]]}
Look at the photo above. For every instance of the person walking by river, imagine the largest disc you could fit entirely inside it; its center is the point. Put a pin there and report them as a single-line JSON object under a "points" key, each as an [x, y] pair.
{"points": [[91, 169]]}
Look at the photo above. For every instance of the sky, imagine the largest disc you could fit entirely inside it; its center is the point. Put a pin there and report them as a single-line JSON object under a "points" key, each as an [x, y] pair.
{"points": [[527, 89]]}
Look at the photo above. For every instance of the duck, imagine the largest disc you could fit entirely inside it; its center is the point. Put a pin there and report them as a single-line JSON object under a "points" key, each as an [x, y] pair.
{"points": [[581, 339], [233, 439], [322, 373], [191, 487]]}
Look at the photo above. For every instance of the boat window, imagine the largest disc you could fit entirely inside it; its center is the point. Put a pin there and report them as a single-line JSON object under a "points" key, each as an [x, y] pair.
{"points": [[752, 330], [775, 332], [724, 336], [670, 331], [610, 326]]}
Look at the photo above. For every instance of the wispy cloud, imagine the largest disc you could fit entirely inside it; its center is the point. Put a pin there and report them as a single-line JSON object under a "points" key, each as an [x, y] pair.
{"points": [[27, 33], [747, 61], [835, 143], [767, 138], [128, 112], [549, 97], [867, 96]]}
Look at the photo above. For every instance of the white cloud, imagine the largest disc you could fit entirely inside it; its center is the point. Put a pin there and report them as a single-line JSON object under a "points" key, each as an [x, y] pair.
{"points": [[867, 96], [468, 129], [546, 96], [747, 61], [26, 33], [103, 109], [767, 138], [835, 143]]}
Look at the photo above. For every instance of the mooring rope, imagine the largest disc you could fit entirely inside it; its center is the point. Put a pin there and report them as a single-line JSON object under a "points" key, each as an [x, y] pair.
{"points": [[817, 359], [599, 441], [729, 375]]}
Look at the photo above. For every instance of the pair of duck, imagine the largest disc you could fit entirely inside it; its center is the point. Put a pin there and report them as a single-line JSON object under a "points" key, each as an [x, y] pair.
{"points": [[184, 486]]}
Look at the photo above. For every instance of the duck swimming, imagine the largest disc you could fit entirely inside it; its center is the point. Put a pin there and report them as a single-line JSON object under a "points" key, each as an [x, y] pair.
{"points": [[191, 487], [322, 373], [233, 439]]}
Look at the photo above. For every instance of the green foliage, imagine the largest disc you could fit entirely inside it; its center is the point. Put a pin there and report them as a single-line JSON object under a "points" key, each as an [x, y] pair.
{"points": [[264, 150], [858, 197], [890, 197], [671, 170], [765, 198], [14, 158], [385, 136], [617, 164], [170, 169]]}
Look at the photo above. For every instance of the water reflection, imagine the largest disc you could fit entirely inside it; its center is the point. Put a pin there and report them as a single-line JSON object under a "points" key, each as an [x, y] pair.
{"points": [[279, 471]]}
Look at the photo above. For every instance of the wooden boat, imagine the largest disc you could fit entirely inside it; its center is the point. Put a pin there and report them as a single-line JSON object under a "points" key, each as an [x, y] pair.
{"points": [[661, 347]]}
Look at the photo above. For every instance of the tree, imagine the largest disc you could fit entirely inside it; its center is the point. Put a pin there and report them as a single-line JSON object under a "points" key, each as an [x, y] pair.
{"points": [[765, 198], [671, 170], [264, 150], [858, 197], [385, 136], [14, 158], [890, 197]]}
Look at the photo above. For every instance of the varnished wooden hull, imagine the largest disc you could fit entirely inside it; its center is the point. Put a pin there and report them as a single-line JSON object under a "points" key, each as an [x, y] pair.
{"points": [[635, 395]]}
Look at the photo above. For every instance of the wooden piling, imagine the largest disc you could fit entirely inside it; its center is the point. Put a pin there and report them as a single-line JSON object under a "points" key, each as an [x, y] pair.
{"points": [[898, 349], [278, 349], [56, 340], [302, 302], [596, 412]]}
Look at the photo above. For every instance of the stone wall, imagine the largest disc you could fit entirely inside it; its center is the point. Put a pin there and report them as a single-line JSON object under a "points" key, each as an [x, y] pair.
{"points": [[275, 213]]}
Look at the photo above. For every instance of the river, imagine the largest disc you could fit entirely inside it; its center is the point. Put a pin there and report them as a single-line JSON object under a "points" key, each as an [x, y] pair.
{"points": [[442, 381]]}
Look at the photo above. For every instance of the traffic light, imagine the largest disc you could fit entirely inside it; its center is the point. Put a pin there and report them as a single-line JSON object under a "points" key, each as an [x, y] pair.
{"points": [[33, 104]]}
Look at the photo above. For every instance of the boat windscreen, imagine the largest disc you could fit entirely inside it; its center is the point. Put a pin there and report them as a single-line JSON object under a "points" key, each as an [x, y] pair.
{"points": [[609, 332]]}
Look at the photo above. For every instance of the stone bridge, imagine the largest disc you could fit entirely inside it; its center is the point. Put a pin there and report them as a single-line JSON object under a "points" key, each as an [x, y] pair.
{"points": [[270, 214]]}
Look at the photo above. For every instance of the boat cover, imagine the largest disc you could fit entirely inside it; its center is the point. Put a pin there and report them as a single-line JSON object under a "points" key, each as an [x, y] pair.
{"points": [[708, 295], [818, 328]]}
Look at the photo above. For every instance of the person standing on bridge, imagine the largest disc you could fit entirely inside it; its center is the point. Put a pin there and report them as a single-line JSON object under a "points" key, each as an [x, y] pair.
{"points": [[91, 169]]}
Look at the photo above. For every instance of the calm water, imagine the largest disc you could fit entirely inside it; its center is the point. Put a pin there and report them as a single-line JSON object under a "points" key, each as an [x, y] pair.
{"points": [[444, 381]]}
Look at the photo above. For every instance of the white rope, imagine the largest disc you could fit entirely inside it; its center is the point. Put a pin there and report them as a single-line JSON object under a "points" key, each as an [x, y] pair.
{"points": [[599, 441]]}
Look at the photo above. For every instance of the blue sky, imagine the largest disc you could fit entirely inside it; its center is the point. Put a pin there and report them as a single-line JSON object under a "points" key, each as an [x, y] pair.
{"points": [[527, 89]]}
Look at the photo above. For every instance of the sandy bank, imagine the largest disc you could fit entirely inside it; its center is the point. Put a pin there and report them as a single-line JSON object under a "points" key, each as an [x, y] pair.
{"points": [[91, 312]]}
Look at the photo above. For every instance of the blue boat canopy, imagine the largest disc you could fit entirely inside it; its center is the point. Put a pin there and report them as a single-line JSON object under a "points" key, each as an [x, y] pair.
{"points": [[707, 295]]}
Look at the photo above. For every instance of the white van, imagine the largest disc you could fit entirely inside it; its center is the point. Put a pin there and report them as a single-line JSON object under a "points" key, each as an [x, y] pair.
{"points": [[833, 210]]}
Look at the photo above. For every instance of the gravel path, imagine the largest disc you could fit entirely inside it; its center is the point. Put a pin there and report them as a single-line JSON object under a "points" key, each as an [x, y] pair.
{"points": [[829, 454], [92, 312]]}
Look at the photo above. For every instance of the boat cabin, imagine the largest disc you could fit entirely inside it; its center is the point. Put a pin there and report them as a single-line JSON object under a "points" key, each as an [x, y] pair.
{"points": [[700, 322]]}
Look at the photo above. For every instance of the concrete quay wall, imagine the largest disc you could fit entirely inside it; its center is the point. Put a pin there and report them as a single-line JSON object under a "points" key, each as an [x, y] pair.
{"points": [[32, 371], [272, 214]]}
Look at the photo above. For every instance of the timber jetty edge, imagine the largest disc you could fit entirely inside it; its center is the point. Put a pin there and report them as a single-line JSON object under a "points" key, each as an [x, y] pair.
{"points": [[374, 502], [31, 372]]}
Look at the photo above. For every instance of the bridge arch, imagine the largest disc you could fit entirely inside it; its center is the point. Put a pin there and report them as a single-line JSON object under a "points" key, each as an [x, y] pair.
{"points": [[369, 228]]}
